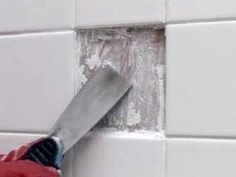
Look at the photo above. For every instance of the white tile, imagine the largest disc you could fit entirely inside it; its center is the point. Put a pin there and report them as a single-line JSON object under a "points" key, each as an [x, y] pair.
{"points": [[201, 81], [11, 141], [181, 10], [91, 13], [31, 15], [116, 155], [37, 79], [201, 158]]}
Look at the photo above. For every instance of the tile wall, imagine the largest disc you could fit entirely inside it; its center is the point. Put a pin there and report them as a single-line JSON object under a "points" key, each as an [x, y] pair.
{"points": [[200, 84], [179, 119]]}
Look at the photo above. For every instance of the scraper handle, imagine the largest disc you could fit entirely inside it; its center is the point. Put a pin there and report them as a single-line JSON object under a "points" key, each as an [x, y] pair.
{"points": [[46, 152]]}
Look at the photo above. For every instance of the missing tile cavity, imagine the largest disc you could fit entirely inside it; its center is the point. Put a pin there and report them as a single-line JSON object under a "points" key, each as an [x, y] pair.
{"points": [[138, 54]]}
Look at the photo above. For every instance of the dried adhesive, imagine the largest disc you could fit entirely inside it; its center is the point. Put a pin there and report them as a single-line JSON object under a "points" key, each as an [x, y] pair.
{"points": [[138, 54]]}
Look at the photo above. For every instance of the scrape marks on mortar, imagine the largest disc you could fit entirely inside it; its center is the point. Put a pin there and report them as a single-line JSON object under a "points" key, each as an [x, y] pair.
{"points": [[138, 54]]}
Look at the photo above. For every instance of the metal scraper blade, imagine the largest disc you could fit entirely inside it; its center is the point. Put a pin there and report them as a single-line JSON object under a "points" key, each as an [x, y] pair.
{"points": [[90, 105]]}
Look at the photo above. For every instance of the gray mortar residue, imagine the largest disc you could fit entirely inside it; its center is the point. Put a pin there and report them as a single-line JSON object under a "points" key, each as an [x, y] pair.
{"points": [[138, 54]]}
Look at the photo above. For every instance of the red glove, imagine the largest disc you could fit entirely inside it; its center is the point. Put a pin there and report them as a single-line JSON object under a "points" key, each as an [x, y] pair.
{"points": [[12, 166]]}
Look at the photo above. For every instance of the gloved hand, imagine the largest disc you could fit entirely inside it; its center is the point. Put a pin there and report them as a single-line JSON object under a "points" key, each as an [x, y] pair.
{"points": [[11, 165]]}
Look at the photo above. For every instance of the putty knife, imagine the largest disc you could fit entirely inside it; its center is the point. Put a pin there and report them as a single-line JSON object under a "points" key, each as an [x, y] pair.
{"points": [[91, 104]]}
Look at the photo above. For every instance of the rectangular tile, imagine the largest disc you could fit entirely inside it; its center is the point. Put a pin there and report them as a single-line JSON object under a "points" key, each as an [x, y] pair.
{"points": [[11, 141], [200, 158], [192, 10], [37, 79], [201, 82], [119, 154], [29, 15], [116, 13]]}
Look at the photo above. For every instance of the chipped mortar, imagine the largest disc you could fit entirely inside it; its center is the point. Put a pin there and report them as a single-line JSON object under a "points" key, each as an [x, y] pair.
{"points": [[138, 54]]}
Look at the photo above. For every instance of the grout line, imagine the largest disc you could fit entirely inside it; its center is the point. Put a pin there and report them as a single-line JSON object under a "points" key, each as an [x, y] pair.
{"points": [[35, 32], [23, 132], [164, 156], [106, 131], [200, 137], [161, 135], [165, 11], [74, 14], [158, 25], [201, 21]]}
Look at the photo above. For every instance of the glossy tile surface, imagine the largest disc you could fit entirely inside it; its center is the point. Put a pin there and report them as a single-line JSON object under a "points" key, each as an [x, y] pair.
{"points": [[201, 81], [198, 10], [37, 80], [30, 15], [200, 158], [91, 13], [119, 154]]}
